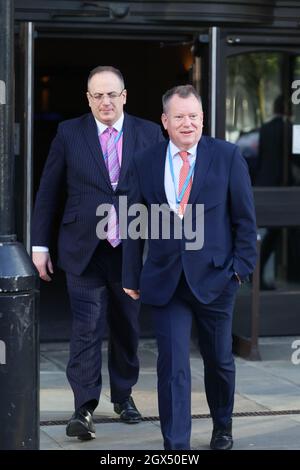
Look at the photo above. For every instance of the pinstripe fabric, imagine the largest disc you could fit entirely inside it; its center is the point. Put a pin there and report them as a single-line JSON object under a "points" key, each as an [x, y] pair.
{"points": [[93, 268], [97, 300], [74, 165]]}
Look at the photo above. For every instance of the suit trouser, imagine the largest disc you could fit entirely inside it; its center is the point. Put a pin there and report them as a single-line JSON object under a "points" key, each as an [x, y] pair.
{"points": [[97, 299], [172, 324]]}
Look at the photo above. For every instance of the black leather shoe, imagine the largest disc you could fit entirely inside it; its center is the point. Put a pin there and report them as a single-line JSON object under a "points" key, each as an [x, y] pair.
{"points": [[128, 411], [81, 425], [221, 438]]}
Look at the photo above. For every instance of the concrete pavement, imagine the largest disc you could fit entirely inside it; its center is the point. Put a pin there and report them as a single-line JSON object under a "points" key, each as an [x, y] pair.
{"points": [[267, 404]]}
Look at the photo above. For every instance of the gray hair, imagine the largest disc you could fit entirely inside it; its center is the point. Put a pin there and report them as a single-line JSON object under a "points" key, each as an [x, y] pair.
{"points": [[183, 91], [106, 68]]}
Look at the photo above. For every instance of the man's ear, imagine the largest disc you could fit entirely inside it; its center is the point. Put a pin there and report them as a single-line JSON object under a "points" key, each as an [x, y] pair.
{"points": [[88, 98], [125, 96], [164, 120]]}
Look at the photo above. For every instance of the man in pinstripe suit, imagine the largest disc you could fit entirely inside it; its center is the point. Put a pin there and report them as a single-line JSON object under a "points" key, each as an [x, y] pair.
{"points": [[77, 162]]}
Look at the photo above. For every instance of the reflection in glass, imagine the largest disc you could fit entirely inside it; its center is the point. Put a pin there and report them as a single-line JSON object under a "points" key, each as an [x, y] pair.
{"points": [[279, 260], [260, 119], [253, 84], [274, 148]]}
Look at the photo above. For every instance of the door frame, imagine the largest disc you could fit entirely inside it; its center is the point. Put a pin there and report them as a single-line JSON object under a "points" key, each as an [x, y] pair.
{"points": [[24, 129], [276, 206]]}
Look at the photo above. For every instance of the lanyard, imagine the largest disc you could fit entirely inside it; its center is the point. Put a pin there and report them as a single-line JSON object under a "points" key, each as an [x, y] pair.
{"points": [[179, 196], [117, 138]]}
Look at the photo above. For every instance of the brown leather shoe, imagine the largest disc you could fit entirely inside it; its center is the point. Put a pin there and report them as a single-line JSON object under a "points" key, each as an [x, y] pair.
{"points": [[128, 411]]}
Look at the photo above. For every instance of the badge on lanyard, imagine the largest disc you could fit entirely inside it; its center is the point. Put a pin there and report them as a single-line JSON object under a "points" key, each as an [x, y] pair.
{"points": [[179, 197]]}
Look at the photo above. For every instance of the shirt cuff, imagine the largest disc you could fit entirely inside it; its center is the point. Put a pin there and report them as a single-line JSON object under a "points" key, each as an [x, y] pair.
{"points": [[40, 249]]}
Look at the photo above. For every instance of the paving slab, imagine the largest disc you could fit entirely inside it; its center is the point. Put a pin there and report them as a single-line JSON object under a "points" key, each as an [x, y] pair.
{"points": [[272, 384]]}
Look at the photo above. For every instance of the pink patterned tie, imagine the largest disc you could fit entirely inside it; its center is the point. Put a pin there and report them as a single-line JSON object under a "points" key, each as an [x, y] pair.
{"points": [[113, 167], [184, 171]]}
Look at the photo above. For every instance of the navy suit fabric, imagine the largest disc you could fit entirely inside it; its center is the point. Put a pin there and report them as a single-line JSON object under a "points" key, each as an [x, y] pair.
{"points": [[172, 325], [221, 182], [93, 268], [180, 284]]}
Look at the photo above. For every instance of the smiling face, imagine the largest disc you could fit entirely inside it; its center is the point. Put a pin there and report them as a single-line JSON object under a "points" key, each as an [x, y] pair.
{"points": [[107, 109], [183, 120]]}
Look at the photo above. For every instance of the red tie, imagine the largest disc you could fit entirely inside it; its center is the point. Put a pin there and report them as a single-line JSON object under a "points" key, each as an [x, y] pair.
{"points": [[184, 171]]}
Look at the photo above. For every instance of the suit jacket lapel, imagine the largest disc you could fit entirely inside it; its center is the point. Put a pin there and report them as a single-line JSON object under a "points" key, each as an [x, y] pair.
{"points": [[128, 146], [91, 135], [203, 161], [158, 172]]}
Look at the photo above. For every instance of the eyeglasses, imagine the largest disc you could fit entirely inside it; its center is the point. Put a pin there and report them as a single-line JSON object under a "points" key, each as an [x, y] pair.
{"points": [[98, 97]]}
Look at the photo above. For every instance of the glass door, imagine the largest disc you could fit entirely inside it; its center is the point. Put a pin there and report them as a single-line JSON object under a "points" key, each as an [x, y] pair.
{"points": [[264, 121]]}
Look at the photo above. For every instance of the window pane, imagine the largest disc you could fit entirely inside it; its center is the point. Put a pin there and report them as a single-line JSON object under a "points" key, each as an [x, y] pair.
{"points": [[256, 117], [279, 258]]}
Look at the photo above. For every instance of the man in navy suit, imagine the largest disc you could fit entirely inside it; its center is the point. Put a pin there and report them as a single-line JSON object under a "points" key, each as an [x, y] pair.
{"points": [[80, 160], [184, 278]]}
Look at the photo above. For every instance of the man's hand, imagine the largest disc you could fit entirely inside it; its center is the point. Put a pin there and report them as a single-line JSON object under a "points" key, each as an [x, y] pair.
{"points": [[43, 264], [134, 294]]}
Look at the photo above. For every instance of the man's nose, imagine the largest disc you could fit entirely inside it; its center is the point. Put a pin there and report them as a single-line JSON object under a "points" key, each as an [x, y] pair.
{"points": [[106, 99], [186, 121]]}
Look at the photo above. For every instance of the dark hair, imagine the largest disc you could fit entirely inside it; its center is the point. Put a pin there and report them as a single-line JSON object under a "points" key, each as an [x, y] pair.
{"points": [[106, 68], [183, 91]]}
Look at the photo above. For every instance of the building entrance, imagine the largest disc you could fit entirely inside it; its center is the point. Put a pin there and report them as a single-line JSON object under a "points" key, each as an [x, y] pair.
{"points": [[61, 67]]}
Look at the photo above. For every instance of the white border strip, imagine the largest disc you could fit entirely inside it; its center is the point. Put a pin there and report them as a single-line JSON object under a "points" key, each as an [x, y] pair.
{"points": [[2, 92]]}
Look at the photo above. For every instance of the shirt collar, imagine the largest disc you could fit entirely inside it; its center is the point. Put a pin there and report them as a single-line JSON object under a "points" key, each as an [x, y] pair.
{"points": [[117, 125], [175, 150]]}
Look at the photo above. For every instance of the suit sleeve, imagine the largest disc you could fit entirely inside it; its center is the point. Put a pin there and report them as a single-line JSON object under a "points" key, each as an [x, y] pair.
{"points": [[132, 248], [243, 217], [48, 195]]}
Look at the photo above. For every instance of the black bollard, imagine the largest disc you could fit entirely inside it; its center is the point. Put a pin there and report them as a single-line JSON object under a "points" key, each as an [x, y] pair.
{"points": [[19, 350], [19, 384]]}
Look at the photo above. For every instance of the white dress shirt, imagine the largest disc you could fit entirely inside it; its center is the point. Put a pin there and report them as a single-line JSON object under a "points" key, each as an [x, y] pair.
{"points": [[117, 125], [177, 164]]}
